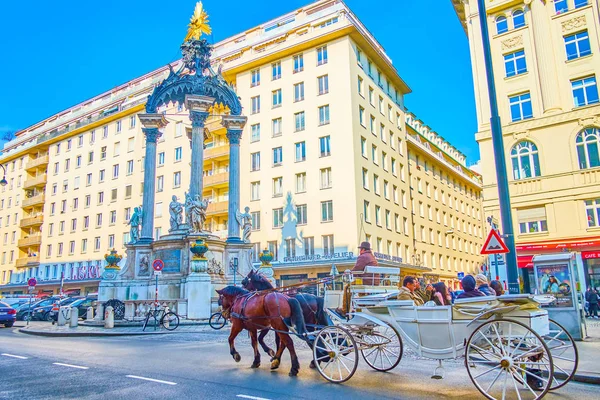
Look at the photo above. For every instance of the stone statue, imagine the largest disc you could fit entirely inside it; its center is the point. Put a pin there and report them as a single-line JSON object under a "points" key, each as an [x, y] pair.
{"points": [[195, 210], [176, 212], [144, 265], [135, 222], [245, 221]]}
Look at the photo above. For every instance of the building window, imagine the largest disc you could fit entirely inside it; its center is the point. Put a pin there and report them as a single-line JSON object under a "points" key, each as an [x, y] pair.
{"points": [[592, 210], [255, 220], [322, 55], [365, 178], [178, 154], [324, 115], [561, 6], [325, 149], [532, 220], [278, 187], [299, 91], [374, 154], [326, 211], [300, 151], [360, 86], [277, 156], [276, 127], [323, 83], [298, 63], [363, 147], [255, 77], [328, 245], [515, 63], [255, 190], [376, 184], [177, 179], [276, 70], [255, 133], [98, 220], [299, 121], [577, 45], [325, 174], [520, 107], [277, 217], [255, 104], [525, 160], [585, 91], [129, 167], [115, 171], [501, 24], [301, 182], [588, 148], [255, 161], [160, 183], [361, 115], [518, 19], [309, 246], [301, 217], [276, 95], [581, 3]]}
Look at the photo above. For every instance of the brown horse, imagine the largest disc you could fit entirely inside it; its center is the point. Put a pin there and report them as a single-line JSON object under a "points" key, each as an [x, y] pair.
{"points": [[312, 308], [257, 311]]}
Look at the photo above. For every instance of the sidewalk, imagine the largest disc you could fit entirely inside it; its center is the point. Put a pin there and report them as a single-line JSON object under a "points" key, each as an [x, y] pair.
{"points": [[588, 369], [86, 330]]}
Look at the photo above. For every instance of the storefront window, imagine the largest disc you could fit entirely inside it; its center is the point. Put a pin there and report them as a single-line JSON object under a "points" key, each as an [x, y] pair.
{"points": [[592, 269]]}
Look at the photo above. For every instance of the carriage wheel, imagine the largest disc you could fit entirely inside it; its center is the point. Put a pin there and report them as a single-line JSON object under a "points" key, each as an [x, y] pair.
{"points": [[564, 354], [505, 359], [383, 348], [335, 354]]}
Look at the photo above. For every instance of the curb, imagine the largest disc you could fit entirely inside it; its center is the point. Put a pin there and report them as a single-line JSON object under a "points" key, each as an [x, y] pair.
{"points": [[89, 334], [590, 379]]}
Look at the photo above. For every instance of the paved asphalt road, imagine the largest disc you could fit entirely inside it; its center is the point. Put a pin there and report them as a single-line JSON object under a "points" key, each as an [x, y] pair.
{"points": [[198, 366]]}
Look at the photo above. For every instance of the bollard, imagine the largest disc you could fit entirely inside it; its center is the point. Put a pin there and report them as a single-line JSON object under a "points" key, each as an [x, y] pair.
{"points": [[63, 315], [109, 318], [166, 320], [74, 317], [90, 314]]}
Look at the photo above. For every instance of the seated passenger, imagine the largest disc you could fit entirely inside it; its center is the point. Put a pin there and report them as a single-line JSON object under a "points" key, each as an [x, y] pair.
{"points": [[482, 285], [497, 286], [407, 291], [468, 284], [441, 297]]}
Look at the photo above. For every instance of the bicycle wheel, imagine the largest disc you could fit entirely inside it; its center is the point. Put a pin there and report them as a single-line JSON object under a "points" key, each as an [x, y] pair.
{"points": [[217, 321], [170, 321]]}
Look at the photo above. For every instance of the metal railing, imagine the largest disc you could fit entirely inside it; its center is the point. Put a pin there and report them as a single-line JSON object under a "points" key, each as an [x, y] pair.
{"points": [[32, 201]]}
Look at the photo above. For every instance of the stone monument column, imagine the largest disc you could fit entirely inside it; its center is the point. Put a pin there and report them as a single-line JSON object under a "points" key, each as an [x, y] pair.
{"points": [[235, 125], [198, 107], [152, 123]]}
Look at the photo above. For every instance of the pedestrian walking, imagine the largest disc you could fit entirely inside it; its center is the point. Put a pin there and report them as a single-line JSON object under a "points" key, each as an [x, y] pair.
{"points": [[592, 298]]}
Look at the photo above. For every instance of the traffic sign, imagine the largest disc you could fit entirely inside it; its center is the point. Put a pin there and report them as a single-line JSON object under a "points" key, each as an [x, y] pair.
{"points": [[494, 244], [460, 275], [32, 282], [158, 265], [157, 273]]}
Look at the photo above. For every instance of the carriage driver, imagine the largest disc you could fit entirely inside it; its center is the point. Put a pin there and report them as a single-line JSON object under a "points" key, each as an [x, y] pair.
{"points": [[366, 258]]}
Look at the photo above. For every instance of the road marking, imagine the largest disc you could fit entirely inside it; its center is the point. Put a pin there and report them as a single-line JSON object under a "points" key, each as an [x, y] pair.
{"points": [[71, 366], [245, 396], [13, 356], [150, 379]]}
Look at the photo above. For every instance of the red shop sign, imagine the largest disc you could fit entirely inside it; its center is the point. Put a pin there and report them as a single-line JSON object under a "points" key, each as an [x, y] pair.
{"points": [[586, 255]]}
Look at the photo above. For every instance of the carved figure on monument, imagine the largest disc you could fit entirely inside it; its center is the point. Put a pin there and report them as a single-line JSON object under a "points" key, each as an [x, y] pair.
{"points": [[176, 212], [245, 220], [135, 222], [195, 210], [215, 267], [144, 265]]}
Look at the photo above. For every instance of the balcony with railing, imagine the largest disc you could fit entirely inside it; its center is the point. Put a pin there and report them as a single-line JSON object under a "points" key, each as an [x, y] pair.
{"points": [[31, 221], [32, 240], [40, 161], [30, 261], [39, 180], [218, 207], [220, 179], [217, 153], [34, 200]]}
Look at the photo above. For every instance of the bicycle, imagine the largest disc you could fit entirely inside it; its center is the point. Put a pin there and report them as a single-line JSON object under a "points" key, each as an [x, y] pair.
{"points": [[169, 320], [217, 320]]}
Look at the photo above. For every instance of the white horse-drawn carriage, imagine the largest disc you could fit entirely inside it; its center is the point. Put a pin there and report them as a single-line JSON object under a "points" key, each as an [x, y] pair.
{"points": [[511, 348]]}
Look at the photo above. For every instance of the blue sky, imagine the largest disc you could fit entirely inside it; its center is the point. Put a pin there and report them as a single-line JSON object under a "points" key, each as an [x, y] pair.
{"points": [[58, 53]]}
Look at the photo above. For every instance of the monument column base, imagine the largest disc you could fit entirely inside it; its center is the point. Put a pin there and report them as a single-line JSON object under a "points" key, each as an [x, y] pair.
{"points": [[198, 290]]}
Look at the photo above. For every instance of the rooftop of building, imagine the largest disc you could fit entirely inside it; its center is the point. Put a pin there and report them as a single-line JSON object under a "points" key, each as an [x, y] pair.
{"points": [[459, 7]]}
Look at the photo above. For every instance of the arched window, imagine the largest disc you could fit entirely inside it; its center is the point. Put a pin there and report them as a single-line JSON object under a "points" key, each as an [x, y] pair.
{"points": [[588, 145], [501, 24], [518, 18], [525, 160]]}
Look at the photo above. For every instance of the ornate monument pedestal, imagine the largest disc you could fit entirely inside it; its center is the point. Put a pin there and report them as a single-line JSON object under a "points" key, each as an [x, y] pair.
{"points": [[198, 291]]}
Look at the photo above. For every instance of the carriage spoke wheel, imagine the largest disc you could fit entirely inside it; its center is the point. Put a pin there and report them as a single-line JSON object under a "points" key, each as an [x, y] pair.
{"points": [[564, 354], [382, 348], [505, 359], [335, 354]]}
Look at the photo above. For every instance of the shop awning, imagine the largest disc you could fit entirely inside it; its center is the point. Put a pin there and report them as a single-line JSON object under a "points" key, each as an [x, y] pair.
{"points": [[525, 261]]}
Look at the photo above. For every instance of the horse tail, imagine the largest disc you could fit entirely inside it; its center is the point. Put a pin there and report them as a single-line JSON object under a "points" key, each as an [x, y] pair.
{"points": [[297, 317], [322, 317]]}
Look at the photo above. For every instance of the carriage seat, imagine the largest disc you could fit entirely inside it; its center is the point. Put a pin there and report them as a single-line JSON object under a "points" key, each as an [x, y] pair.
{"points": [[468, 309]]}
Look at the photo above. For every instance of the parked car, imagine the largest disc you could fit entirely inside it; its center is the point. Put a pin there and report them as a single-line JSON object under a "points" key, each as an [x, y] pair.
{"points": [[42, 313], [81, 303], [8, 315], [23, 311], [16, 301]]}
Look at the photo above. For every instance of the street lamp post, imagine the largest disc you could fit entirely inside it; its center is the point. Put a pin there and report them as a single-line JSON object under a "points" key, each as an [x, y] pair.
{"points": [[3, 181], [498, 144]]}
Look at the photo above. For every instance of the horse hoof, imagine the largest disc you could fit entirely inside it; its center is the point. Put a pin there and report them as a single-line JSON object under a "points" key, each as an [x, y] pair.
{"points": [[275, 364], [237, 357], [312, 364], [255, 365], [271, 354], [293, 373]]}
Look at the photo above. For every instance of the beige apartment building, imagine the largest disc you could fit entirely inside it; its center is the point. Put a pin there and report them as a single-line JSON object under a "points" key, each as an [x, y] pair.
{"points": [[330, 158], [546, 62]]}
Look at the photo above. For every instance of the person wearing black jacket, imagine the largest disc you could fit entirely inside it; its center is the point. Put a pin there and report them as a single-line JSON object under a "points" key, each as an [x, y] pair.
{"points": [[591, 296]]}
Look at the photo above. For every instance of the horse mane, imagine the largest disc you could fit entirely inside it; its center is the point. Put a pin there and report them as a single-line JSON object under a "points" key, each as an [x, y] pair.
{"points": [[234, 291], [260, 278]]}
